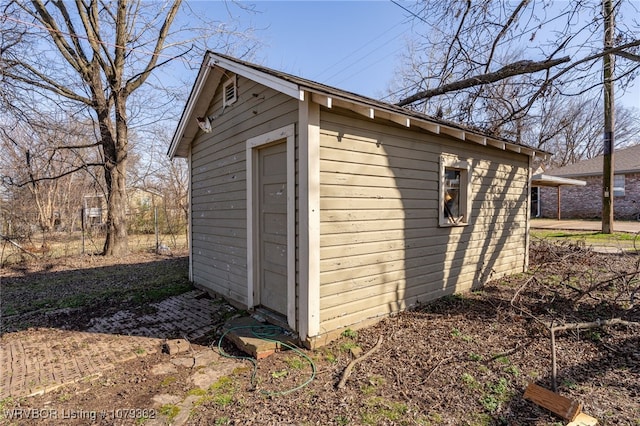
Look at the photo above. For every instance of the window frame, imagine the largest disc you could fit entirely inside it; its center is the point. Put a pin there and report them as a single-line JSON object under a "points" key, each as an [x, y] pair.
{"points": [[449, 162]]}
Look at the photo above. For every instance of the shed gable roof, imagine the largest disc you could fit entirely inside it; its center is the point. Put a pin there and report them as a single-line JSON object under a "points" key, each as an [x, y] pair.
{"points": [[626, 160], [213, 67]]}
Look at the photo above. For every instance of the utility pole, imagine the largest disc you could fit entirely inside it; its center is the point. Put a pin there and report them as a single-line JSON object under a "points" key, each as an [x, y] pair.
{"points": [[609, 118]]}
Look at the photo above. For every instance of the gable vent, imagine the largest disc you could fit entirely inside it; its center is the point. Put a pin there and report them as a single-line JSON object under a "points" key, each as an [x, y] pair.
{"points": [[230, 91]]}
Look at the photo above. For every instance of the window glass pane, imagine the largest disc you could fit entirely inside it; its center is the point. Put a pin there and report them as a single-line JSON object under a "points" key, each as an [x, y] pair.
{"points": [[618, 186], [452, 194], [454, 191]]}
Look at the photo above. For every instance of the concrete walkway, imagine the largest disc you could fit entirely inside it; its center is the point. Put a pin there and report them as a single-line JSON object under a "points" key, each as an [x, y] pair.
{"points": [[36, 361], [583, 225]]}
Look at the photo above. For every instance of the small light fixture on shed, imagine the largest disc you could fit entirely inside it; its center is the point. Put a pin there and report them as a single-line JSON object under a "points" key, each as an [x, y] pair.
{"points": [[205, 124]]}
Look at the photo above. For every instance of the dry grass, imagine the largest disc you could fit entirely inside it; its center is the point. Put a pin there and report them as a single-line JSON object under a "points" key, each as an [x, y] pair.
{"points": [[58, 245]]}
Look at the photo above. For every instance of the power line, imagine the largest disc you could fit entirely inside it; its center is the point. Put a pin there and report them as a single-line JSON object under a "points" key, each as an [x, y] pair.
{"points": [[410, 12], [359, 60], [395, 92], [349, 55]]}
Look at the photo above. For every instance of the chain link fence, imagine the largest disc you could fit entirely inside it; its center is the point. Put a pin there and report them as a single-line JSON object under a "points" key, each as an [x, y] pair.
{"points": [[151, 229]]}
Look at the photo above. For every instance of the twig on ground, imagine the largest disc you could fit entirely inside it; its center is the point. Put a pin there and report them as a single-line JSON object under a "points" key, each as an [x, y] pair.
{"points": [[593, 324], [578, 326], [522, 287], [347, 371], [442, 361], [506, 353], [193, 352], [597, 286]]}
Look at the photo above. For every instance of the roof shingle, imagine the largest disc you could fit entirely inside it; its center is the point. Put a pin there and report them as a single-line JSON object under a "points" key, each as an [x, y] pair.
{"points": [[626, 160]]}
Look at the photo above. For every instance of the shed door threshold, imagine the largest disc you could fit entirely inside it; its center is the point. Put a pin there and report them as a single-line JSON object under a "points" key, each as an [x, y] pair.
{"points": [[263, 314]]}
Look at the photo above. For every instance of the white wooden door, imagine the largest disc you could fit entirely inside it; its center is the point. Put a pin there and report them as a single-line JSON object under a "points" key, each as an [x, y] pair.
{"points": [[272, 227]]}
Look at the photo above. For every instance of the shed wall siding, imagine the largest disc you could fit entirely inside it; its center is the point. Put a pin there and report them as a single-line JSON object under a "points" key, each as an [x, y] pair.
{"points": [[381, 248], [219, 186]]}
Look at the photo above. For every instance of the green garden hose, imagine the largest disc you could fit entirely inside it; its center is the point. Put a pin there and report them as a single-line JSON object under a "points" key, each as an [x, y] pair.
{"points": [[268, 334]]}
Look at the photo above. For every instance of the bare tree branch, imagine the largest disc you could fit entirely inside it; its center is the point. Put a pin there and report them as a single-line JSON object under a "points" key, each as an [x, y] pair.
{"points": [[463, 41], [33, 180], [517, 68], [89, 145], [158, 65], [629, 55], [71, 29], [456, 38], [589, 58], [43, 81], [160, 40], [42, 15], [503, 31], [89, 17]]}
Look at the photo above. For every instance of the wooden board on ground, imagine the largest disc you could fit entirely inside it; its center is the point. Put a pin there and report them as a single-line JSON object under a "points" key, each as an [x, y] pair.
{"points": [[562, 406]]}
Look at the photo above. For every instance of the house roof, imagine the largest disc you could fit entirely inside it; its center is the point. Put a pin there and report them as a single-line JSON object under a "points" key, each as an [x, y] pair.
{"points": [[214, 64], [625, 160]]}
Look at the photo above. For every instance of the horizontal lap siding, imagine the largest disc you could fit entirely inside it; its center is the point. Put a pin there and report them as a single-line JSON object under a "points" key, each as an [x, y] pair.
{"points": [[219, 185], [381, 247]]}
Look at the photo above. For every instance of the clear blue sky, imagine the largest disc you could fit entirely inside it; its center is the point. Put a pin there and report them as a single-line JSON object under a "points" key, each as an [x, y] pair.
{"points": [[353, 45]]}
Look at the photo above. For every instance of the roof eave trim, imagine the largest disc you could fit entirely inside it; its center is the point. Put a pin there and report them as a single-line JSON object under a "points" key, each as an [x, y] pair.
{"points": [[273, 82], [211, 61], [407, 120], [177, 139], [296, 91]]}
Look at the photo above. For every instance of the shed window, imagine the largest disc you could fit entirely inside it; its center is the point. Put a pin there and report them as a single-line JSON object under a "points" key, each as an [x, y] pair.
{"points": [[230, 91], [454, 191], [618, 185]]}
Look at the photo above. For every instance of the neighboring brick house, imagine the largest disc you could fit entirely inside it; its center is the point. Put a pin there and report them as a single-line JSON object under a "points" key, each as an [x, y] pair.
{"points": [[585, 202]]}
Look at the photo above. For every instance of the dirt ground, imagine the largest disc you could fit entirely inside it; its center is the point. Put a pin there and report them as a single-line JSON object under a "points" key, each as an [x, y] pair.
{"points": [[462, 360]]}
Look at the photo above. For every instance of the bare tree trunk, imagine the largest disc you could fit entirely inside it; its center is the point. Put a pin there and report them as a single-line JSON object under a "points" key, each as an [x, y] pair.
{"points": [[115, 148], [117, 241]]}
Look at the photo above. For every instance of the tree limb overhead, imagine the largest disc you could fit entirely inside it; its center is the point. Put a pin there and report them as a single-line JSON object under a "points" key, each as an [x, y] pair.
{"points": [[630, 56], [517, 68]]}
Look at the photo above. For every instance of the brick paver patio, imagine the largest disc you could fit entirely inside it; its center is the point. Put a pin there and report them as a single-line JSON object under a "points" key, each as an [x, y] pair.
{"points": [[39, 360]]}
